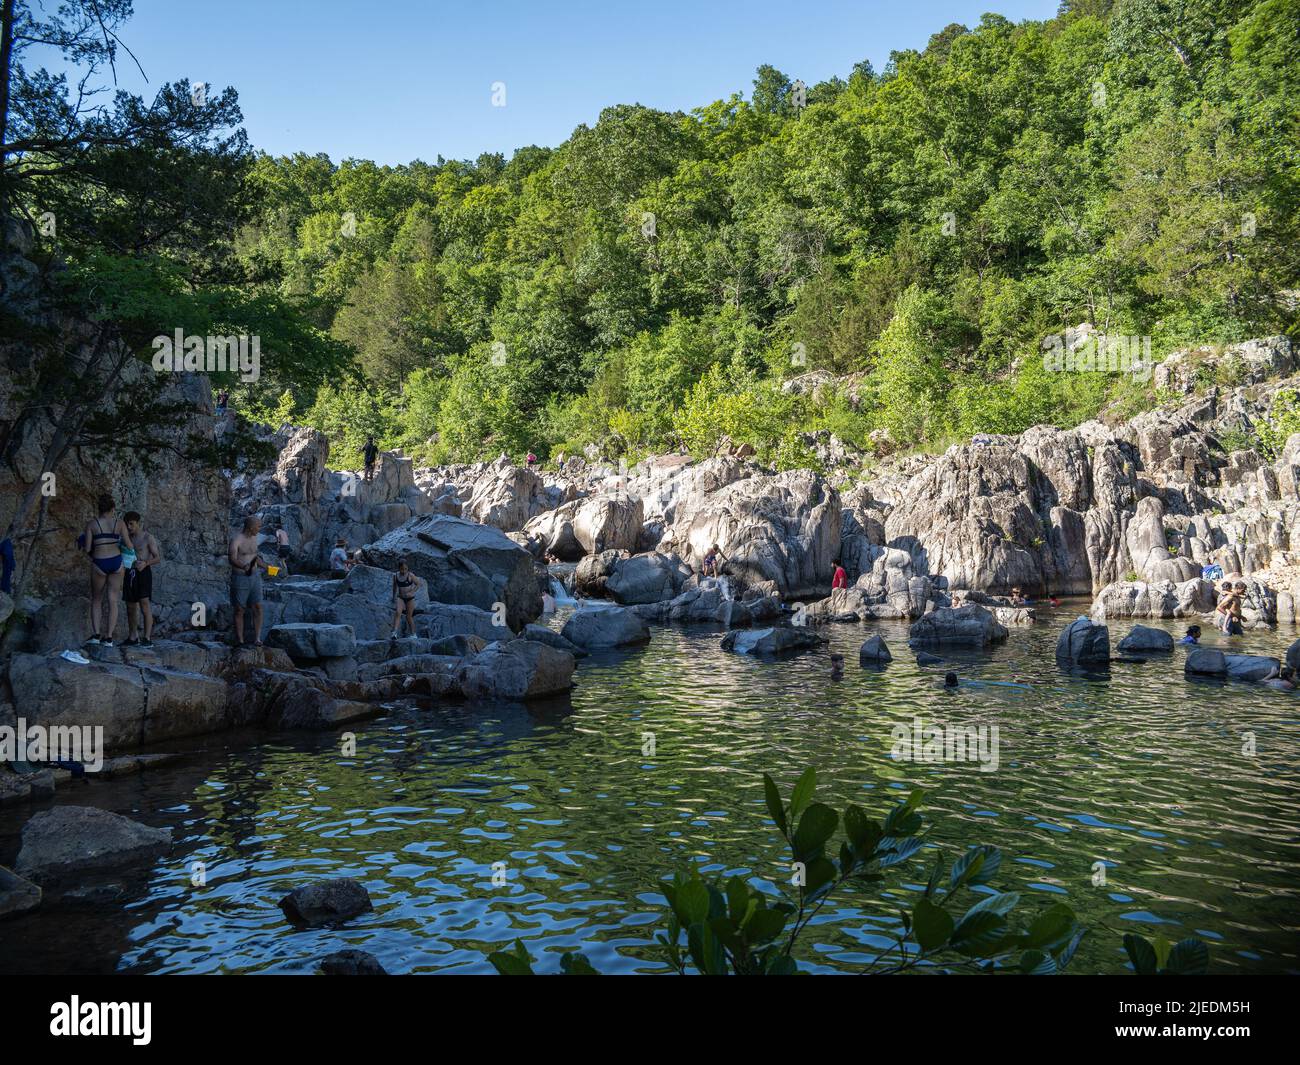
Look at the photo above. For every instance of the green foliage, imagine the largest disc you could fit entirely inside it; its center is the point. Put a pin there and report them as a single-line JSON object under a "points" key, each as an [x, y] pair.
{"points": [[1283, 420]]}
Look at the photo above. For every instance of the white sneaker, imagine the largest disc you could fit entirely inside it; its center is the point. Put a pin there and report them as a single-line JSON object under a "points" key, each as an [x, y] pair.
{"points": [[75, 656]]}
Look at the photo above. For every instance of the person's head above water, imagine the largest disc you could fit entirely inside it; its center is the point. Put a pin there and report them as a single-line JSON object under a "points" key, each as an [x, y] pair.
{"points": [[950, 680], [1193, 630]]}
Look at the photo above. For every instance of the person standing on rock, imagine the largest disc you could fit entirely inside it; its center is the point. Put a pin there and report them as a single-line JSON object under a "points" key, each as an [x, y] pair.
{"points": [[405, 586], [1223, 611], [841, 579], [282, 545], [104, 540], [368, 454], [138, 586], [340, 563], [712, 567], [246, 567]]}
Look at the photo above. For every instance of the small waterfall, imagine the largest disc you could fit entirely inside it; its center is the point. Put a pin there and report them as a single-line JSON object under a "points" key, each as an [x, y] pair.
{"points": [[561, 593], [724, 585]]}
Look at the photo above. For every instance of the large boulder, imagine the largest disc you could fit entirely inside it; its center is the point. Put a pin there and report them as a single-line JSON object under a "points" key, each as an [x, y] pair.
{"points": [[970, 625], [1142, 639], [326, 902], [600, 629], [17, 895], [874, 652], [466, 563], [1083, 644], [520, 669], [1251, 667], [69, 841], [778, 532], [311, 642], [506, 497], [1206, 662], [648, 578], [1154, 599], [779, 639]]}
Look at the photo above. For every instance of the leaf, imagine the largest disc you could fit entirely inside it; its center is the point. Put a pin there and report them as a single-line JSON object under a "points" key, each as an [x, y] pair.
{"points": [[774, 807], [692, 905], [893, 851], [1190, 957], [863, 832], [1001, 904], [1051, 929], [515, 962], [821, 874], [976, 866], [575, 964], [1037, 963], [978, 934], [1141, 954], [815, 828], [803, 792], [932, 923], [936, 874]]}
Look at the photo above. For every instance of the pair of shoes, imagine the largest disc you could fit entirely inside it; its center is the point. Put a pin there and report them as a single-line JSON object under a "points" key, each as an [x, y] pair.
{"points": [[146, 643], [130, 643], [92, 642]]}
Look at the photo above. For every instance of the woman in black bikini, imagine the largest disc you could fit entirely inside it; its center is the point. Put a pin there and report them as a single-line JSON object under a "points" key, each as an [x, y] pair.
{"points": [[405, 585], [105, 538]]}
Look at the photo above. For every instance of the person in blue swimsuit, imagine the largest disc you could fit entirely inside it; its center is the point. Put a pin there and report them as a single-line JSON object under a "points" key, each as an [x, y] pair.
{"points": [[106, 538]]}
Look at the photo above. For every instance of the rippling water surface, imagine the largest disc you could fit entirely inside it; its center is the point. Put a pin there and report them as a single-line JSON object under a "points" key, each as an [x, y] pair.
{"points": [[1141, 770]]}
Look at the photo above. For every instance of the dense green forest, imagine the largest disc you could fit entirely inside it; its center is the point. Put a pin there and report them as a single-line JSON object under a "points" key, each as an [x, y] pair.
{"points": [[651, 281]]}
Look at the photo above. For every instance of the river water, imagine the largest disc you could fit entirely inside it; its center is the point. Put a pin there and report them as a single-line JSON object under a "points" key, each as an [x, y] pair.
{"points": [[1141, 770]]}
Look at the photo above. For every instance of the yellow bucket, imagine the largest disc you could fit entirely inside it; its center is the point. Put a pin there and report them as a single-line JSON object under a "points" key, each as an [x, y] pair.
{"points": [[273, 571]]}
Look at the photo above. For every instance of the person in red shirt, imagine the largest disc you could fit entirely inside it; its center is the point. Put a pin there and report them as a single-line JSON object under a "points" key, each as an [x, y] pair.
{"points": [[841, 579]]}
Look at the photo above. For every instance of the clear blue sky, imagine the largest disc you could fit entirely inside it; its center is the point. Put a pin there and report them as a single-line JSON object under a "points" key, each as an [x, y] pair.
{"points": [[396, 80]]}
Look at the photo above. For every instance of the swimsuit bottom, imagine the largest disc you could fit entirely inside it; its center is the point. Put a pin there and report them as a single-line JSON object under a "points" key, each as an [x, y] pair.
{"points": [[108, 565]]}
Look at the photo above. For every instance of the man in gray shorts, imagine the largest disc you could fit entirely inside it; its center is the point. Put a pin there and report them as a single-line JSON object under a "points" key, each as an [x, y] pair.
{"points": [[246, 580]]}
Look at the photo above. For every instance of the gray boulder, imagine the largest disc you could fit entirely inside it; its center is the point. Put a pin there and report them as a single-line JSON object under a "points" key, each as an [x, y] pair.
{"points": [[1206, 662], [459, 645], [541, 634], [601, 629], [1251, 667], [1293, 655], [648, 578], [779, 639], [69, 841], [307, 642], [970, 625], [326, 902], [1083, 644], [874, 652], [520, 669], [17, 895], [1144, 639], [351, 963], [464, 563]]}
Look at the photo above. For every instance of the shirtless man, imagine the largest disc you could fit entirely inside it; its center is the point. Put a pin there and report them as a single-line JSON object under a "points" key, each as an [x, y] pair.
{"points": [[246, 580], [138, 587]]}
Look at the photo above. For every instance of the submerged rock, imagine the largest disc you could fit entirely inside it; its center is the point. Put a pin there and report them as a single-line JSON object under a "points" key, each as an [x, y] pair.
{"points": [[1144, 639], [874, 651], [599, 629], [1206, 662], [326, 902], [1083, 644], [72, 840], [351, 963], [969, 625], [772, 641]]}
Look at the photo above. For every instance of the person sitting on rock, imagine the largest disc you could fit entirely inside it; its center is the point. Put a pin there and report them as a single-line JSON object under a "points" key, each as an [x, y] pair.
{"points": [[246, 567], [368, 454], [840, 579], [138, 586], [340, 562], [1284, 681], [712, 567], [405, 586], [104, 541], [1193, 635]]}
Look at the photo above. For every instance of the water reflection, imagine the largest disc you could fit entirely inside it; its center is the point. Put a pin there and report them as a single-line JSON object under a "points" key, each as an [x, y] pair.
{"points": [[1138, 773]]}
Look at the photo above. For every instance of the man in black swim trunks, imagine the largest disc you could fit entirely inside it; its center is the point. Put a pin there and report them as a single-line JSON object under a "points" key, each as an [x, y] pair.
{"points": [[137, 591], [369, 453]]}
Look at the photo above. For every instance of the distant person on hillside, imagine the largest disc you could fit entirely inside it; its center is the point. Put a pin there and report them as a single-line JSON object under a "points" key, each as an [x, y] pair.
{"points": [[368, 454], [246, 567], [530, 460], [405, 586], [1193, 635], [841, 579], [223, 401], [138, 586], [104, 541]]}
